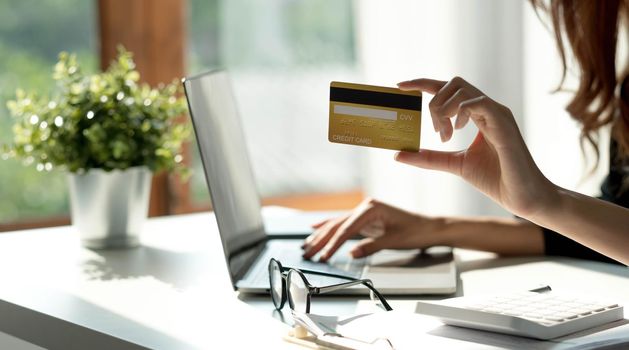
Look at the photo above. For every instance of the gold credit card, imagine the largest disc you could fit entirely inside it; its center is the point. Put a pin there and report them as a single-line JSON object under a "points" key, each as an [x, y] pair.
{"points": [[375, 116]]}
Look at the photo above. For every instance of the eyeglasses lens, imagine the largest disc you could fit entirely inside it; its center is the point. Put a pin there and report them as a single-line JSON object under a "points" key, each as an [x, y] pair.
{"points": [[298, 293], [277, 286]]}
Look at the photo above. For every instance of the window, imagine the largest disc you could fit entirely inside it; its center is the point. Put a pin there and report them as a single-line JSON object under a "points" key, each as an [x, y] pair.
{"points": [[281, 56], [32, 33]]}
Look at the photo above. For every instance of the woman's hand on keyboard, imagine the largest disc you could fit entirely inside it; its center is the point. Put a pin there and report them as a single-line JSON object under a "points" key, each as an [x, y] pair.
{"points": [[385, 227]]}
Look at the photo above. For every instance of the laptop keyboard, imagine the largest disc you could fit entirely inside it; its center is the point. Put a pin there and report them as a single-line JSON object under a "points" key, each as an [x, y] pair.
{"points": [[290, 255]]}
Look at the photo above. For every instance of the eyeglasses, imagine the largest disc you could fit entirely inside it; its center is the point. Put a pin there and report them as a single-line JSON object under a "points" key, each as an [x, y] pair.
{"points": [[291, 284]]}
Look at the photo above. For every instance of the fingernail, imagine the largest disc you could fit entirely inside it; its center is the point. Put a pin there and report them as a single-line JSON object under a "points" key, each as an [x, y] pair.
{"points": [[324, 256], [396, 156], [442, 135]]}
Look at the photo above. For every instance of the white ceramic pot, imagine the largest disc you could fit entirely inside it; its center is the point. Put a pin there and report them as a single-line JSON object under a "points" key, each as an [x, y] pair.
{"points": [[109, 208]]}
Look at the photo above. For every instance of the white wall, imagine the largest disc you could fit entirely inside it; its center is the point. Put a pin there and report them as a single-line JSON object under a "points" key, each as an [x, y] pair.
{"points": [[479, 40], [498, 45], [552, 136]]}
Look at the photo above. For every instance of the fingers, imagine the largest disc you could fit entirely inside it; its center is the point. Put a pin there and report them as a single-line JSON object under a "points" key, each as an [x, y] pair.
{"points": [[494, 121], [318, 239], [479, 106], [318, 228], [351, 227], [442, 112], [368, 246], [445, 129], [461, 121], [450, 107], [319, 224], [428, 85], [482, 111], [373, 229], [445, 104], [435, 160], [446, 92]]}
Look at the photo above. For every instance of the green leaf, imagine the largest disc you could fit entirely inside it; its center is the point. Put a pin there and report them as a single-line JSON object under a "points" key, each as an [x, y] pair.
{"points": [[140, 128]]}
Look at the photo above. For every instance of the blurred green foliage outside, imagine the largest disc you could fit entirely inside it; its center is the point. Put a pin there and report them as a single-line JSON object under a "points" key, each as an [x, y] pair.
{"points": [[32, 33], [292, 38]]}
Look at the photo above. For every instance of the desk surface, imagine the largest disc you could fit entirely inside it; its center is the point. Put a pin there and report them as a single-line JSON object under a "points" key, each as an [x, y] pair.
{"points": [[174, 291]]}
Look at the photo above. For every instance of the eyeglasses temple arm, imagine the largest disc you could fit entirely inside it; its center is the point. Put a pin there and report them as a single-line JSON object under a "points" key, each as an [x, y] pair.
{"points": [[366, 283], [331, 288], [320, 273], [379, 296]]}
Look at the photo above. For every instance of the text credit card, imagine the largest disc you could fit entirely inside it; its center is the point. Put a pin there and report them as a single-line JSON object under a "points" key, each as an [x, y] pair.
{"points": [[374, 116]]}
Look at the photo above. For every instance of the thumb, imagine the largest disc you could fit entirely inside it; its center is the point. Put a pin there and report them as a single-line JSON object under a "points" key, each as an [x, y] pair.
{"points": [[369, 246], [435, 160]]}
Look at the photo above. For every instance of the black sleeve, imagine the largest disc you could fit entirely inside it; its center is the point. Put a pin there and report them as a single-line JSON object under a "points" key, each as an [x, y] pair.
{"points": [[557, 244]]}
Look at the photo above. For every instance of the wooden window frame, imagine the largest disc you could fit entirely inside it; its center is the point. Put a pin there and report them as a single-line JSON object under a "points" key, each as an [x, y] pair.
{"points": [[155, 32]]}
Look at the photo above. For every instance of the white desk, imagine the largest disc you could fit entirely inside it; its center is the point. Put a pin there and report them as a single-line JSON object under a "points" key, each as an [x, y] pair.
{"points": [[174, 291]]}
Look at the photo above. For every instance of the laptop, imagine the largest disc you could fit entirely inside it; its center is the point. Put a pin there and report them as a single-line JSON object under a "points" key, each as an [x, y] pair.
{"points": [[236, 202]]}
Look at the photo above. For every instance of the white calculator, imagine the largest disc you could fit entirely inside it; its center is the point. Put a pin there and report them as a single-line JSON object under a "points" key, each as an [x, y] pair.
{"points": [[531, 314]]}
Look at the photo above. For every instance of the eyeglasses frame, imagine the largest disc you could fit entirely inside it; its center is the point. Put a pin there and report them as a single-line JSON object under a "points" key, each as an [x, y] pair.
{"points": [[312, 290]]}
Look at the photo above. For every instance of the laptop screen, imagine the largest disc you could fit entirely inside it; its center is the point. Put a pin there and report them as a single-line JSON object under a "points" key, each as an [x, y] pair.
{"points": [[228, 172]]}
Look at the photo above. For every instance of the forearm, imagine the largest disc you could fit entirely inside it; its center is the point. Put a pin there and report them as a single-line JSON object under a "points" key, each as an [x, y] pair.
{"points": [[600, 225], [499, 235]]}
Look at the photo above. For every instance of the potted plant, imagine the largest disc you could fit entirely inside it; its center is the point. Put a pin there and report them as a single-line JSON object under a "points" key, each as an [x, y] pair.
{"points": [[110, 133]]}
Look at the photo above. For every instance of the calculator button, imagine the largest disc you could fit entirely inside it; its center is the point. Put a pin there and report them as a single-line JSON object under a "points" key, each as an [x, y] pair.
{"points": [[565, 315]]}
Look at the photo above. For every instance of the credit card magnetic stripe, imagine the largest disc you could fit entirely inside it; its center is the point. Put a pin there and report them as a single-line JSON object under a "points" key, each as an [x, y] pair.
{"points": [[375, 98]]}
